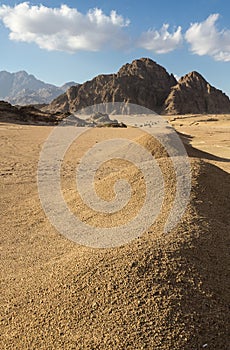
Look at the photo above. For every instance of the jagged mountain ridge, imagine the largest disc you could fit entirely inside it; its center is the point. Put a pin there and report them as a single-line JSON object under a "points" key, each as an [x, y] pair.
{"points": [[22, 88], [143, 82], [193, 94], [146, 83]]}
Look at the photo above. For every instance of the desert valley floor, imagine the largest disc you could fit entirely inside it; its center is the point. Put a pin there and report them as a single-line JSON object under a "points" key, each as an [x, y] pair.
{"points": [[161, 292]]}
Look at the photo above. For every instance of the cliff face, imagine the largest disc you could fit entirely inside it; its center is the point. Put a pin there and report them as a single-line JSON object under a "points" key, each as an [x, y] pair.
{"points": [[193, 94], [142, 82]]}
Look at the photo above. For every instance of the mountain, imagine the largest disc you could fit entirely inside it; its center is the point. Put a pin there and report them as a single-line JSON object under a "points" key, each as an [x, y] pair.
{"points": [[193, 94], [146, 83], [142, 82], [22, 88]]}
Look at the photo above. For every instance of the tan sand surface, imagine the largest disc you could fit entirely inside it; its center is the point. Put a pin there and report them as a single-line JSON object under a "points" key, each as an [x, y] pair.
{"points": [[208, 133], [160, 292]]}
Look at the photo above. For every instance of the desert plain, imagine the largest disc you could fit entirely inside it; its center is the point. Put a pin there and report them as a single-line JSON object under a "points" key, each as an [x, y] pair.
{"points": [[157, 292]]}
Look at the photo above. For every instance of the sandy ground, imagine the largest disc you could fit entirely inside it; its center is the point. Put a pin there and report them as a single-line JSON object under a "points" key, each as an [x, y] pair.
{"points": [[157, 292], [208, 133]]}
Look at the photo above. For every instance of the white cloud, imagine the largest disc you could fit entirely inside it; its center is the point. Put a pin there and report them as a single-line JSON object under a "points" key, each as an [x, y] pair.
{"points": [[205, 39], [67, 29], [161, 41], [64, 28]]}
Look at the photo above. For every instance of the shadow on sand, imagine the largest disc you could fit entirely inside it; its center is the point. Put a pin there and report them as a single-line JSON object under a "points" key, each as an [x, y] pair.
{"points": [[196, 153]]}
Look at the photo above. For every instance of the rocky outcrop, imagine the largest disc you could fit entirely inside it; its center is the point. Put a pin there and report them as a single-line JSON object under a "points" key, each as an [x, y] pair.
{"points": [[27, 114], [97, 119], [193, 94], [143, 82], [22, 88]]}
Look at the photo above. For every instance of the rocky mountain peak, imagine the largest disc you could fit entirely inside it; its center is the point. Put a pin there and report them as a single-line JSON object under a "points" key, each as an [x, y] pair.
{"points": [[194, 80], [142, 82], [193, 94], [23, 73], [145, 68], [194, 75], [138, 67]]}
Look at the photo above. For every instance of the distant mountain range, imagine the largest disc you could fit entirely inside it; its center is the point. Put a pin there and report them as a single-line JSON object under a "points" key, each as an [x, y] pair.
{"points": [[21, 88]]}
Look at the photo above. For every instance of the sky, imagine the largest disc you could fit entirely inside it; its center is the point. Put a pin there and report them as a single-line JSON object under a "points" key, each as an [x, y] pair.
{"points": [[60, 41]]}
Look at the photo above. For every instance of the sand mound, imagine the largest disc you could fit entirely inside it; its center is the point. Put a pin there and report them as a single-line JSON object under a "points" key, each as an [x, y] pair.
{"points": [[158, 292]]}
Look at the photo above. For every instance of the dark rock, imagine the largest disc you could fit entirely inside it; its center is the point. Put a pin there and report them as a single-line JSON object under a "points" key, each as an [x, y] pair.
{"points": [[193, 94], [143, 82], [27, 115], [147, 84]]}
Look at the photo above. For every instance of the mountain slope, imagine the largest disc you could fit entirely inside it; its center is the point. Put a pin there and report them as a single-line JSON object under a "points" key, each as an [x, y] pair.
{"points": [[23, 88], [193, 94]]}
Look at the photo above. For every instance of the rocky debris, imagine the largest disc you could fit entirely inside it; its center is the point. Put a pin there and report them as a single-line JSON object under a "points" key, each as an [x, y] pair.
{"points": [[193, 94], [32, 115], [143, 82], [95, 120], [99, 118], [102, 119], [22, 88], [27, 114]]}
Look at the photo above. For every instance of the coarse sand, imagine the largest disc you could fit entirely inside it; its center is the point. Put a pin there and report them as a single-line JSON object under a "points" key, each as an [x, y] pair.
{"points": [[160, 291]]}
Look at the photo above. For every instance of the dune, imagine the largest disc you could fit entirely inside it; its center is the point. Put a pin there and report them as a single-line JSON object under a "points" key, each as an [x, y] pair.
{"points": [[160, 291]]}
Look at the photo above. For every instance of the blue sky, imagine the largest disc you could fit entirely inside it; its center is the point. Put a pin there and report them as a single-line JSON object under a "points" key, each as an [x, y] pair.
{"points": [[77, 42]]}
